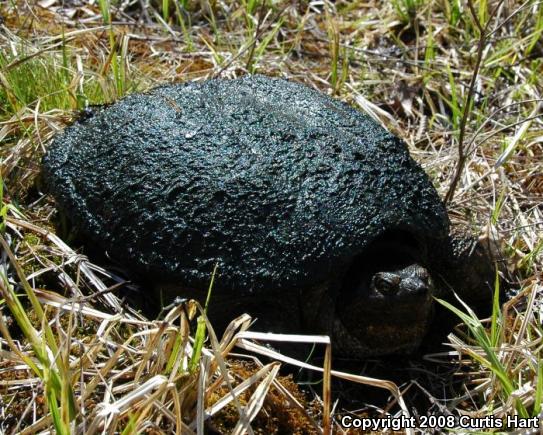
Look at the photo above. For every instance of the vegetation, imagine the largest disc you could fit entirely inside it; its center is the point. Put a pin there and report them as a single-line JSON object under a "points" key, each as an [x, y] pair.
{"points": [[459, 80]]}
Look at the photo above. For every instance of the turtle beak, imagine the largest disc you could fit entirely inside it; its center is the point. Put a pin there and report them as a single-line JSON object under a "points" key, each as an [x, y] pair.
{"points": [[415, 287], [418, 285]]}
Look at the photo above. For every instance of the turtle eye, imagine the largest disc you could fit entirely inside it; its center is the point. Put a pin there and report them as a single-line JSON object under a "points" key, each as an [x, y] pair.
{"points": [[386, 283]]}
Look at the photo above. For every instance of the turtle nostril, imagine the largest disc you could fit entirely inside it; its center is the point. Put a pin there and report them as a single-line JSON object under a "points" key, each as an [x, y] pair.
{"points": [[421, 288], [416, 286]]}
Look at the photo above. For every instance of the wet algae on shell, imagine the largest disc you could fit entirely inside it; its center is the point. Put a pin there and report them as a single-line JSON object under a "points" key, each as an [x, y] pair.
{"points": [[278, 183]]}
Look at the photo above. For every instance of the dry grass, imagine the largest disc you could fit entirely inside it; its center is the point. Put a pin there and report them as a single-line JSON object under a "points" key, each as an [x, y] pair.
{"points": [[456, 82]]}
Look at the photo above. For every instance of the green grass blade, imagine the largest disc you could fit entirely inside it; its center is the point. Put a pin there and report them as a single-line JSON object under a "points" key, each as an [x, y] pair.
{"points": [[492, 361], [130, 427], [539, 389], [200, 335], [496, 319]]}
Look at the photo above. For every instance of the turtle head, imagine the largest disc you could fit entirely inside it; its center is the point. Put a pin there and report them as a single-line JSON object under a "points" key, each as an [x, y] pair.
{"points": [[407, 283], [385, 305]]}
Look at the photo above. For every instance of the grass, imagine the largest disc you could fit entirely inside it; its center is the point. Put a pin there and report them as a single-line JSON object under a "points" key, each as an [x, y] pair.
{"points": [[51, 364], [507, 369], [459, 81]]}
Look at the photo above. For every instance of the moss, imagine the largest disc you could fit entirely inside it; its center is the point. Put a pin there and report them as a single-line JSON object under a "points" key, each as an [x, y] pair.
{"points": [[276, 415]]}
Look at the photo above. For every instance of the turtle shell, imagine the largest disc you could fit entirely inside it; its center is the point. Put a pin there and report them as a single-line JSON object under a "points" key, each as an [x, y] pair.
{"points": [[279, 184]]}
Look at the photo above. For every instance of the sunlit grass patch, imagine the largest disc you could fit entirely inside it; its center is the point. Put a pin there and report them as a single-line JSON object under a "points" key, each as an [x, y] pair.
{"points": [[503, 354]]}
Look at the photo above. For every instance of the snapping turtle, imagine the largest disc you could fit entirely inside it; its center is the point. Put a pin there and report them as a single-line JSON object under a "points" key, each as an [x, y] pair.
{"points": [[319, 219]]}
